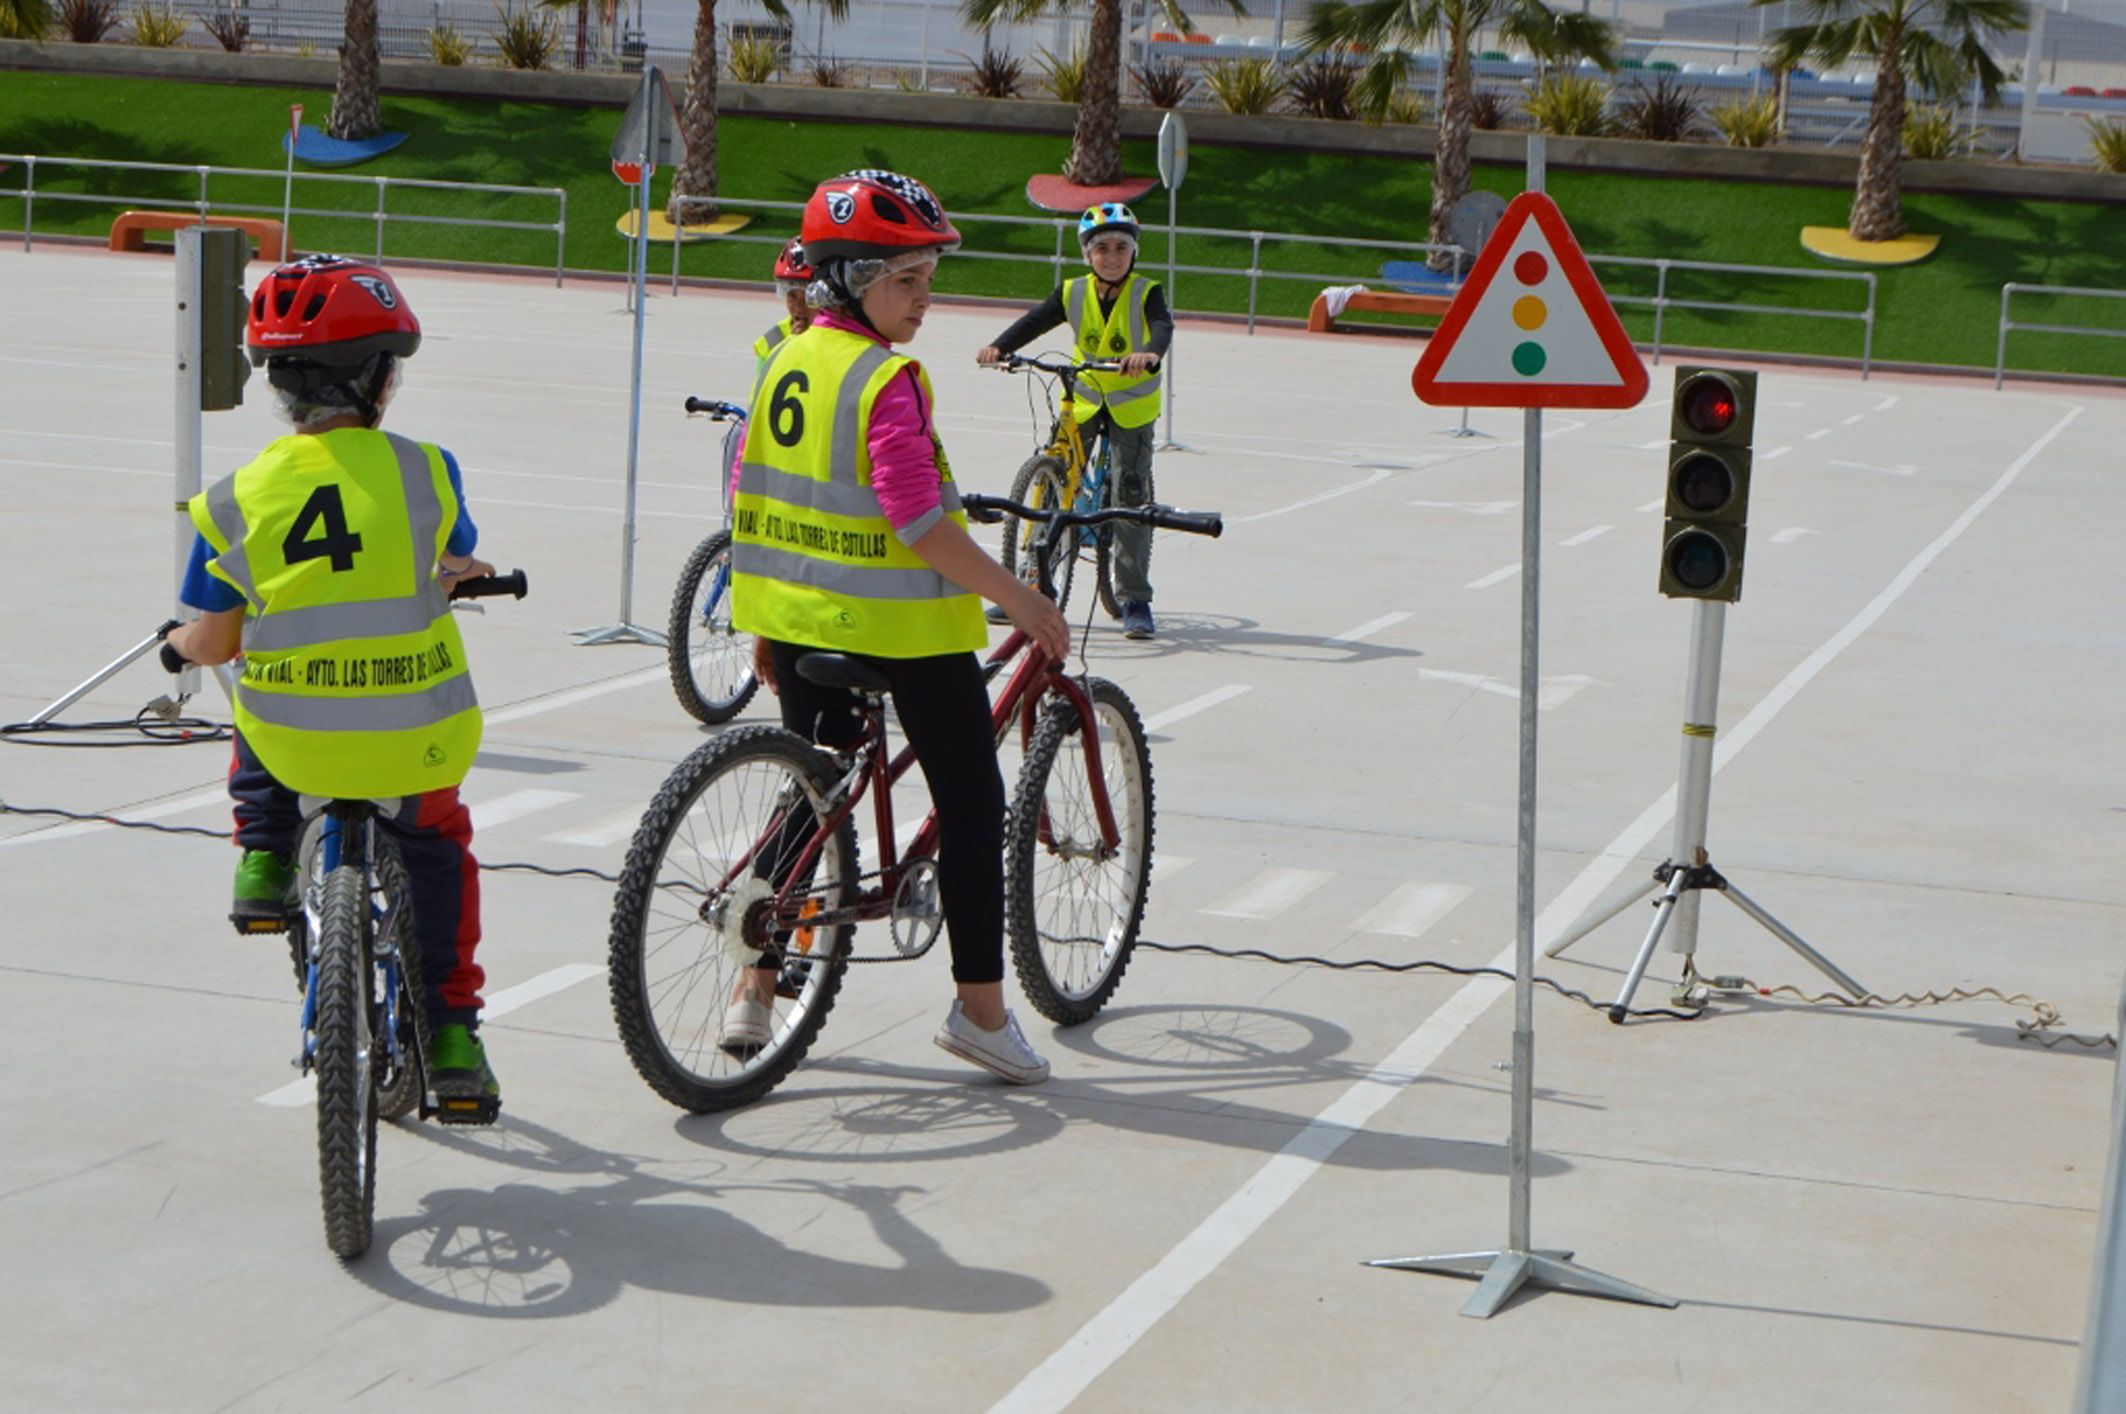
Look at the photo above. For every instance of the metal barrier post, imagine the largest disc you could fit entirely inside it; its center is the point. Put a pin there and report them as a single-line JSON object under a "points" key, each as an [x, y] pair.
{"points": [[380, 189], [1867, 332], [29, 198], [1660, 305], [1059, 255], [2000, 350], [2101, 1383], [202, 203], [1254, 274], [560, 236]]}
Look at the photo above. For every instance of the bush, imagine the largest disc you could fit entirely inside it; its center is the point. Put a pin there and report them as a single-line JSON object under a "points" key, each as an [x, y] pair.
{"points": [[26, 19], [754, 59], [1163, 82], [1570, 106], [527, 39], [1666, 112], [447, 47], [1747, 122], [1930, 133], [830, 72], [1064, 74], [1244, 85], [1404, 106], [2107, 142], [88, 21], [1489, 108], [232, 30], [996, 75], [1322, 89], [158, 27]]}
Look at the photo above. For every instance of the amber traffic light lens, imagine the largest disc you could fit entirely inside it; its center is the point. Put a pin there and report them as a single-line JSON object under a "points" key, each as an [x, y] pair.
{"points": [[1704, 484]]}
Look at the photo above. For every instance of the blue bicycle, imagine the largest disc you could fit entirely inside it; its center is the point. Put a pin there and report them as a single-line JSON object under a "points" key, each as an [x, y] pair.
{"points": [[711, 666]]}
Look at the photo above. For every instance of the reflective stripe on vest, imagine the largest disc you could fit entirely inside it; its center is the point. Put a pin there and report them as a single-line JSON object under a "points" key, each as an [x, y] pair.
{"points": [[1132, 399], [765, 344], [354, 681], [814, 560]]}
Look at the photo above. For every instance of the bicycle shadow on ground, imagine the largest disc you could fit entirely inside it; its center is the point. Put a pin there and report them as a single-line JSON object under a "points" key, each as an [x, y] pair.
{"points": [[532, 1250], [1162, 1072], [1232, 635]]}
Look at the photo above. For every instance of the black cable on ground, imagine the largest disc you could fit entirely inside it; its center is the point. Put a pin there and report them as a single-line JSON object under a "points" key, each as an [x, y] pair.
{"points": [[152, 729]]}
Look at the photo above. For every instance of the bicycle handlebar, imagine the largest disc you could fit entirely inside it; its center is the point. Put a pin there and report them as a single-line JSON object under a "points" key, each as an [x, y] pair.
{"points": [[483, 586], [1055, 363], [989, 509], [717, 410]]}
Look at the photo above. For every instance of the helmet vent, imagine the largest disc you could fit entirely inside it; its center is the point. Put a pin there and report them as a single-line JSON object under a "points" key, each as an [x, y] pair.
{"points": [[886, 210], [310, 310]]}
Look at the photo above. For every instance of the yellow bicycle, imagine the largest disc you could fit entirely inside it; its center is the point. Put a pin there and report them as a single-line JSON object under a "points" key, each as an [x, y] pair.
{"points": [[1066, 474]]}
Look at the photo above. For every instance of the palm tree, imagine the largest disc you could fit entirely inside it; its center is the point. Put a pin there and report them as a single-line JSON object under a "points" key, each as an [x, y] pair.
{"points": [[1388, 29], [25, 19], [697, 109], [1096, 141], [354, 93], [1938, 44]]}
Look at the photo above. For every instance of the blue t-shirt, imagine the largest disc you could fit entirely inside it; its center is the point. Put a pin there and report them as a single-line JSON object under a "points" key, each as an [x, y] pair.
{"points": [[202, 591]]}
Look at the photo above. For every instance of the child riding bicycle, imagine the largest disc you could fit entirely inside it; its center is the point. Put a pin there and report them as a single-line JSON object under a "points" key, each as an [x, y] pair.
{"points": [[848, 537], [792, 274], [327, 562], [1122, 315]]}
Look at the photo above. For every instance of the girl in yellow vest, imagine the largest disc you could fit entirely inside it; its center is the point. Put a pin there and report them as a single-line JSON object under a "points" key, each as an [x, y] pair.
{"points": [[792, 274], [327, 563], [1118, 314], [847, 536]]}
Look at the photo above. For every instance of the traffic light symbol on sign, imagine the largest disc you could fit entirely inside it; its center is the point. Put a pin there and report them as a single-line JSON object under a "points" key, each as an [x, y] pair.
{"points": [[1705, 528]]}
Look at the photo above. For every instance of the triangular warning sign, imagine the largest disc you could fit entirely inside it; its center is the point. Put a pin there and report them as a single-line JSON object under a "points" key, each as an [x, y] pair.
{"points": [[1531, 326], [651, 124]]}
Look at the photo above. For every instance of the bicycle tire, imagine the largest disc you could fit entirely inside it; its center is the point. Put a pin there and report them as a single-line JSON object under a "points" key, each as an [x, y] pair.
{"points": [[346, 1080], [674, 953], [403, 1083], [1041, 483], [1104, 545], [711, 666], [1071, 915]]}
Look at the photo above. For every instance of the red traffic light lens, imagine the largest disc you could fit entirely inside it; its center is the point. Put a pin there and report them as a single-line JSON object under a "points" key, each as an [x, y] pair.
{"points": [[1708, 405]]}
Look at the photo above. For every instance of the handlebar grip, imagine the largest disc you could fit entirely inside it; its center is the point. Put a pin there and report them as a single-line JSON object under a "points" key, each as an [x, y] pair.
{"points": [[982, 510], [173, 662], [484, 586], [1209, 523], [714, 407]]}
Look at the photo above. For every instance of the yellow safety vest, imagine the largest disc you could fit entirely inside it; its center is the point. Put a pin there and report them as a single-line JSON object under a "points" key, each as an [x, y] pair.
{"points": [[765, 344], [814, 560], [354, 680], [1132, 398]]}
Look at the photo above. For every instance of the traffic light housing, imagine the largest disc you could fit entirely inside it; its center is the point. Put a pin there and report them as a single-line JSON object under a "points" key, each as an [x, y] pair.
{"points": [[223, 364], [1704, 528]]}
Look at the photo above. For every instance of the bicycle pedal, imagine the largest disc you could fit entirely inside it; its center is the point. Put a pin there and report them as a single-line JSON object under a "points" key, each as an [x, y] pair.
{"points": [[463, 1111], [249, 923]]}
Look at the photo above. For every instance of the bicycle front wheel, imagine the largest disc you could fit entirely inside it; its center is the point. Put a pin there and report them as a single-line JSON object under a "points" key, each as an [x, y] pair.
{"points": [[1073, 900], [402, 1079], [711, 665], [693, 919], [1104, 546], [1044, 484], [344, 1049]]}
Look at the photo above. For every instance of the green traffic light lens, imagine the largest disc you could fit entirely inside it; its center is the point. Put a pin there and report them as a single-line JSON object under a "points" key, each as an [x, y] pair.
{"points": [[1703, 483], [1697, 561], [1708, 405]]}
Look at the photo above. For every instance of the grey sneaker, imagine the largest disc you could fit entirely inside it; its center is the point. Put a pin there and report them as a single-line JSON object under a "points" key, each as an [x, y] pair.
{"points": [[747, 1026], [1137, 619], [996, 614], [1003, 1051]]}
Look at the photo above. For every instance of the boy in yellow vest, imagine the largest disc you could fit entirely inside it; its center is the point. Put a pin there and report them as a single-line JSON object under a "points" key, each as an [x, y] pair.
{"points": [[335, 546], [1118, 314]]}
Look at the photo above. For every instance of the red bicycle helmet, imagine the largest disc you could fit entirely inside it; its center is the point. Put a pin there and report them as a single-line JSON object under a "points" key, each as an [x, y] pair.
{"points": [[873, 215], [792, 265], [330, 310]]}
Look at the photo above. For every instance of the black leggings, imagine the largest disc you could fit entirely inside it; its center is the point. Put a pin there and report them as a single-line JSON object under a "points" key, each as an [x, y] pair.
{"points": [[943, 707]]}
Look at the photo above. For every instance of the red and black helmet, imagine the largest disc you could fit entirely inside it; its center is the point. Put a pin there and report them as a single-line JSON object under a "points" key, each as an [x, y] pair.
{"points": [[792, 264], [873, 215], [332, 311]]}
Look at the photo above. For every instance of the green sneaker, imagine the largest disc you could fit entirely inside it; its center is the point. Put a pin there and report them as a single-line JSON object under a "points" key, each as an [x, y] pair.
{"points": [[265, 892], [466, 1089]]}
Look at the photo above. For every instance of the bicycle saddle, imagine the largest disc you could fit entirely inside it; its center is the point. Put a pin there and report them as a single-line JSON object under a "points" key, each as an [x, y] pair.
{"points": [[840, 670]]}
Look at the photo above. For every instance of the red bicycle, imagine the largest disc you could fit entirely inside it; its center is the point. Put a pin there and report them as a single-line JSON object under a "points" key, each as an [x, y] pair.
{"points": [[748, 857]]}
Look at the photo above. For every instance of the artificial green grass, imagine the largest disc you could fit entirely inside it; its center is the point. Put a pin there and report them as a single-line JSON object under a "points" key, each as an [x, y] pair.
{"points": [[1941, 311]]}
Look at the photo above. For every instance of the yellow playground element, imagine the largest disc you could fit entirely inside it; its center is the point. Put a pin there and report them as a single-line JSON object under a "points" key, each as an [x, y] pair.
{"points": [[1836, 244]]}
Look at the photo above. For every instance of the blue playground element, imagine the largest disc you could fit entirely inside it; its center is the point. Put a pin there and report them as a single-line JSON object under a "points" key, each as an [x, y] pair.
{"points": [[1415, 277], [312, 146]]}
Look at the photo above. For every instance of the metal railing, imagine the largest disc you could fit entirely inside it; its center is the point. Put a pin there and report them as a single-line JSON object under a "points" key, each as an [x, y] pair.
{"points": [[2009, 291], [2101, 1383], [204, 203], [1661, 302]]}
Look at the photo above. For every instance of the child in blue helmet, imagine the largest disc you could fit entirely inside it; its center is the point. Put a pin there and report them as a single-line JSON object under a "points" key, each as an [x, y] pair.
{"points": [[1117, 314]]}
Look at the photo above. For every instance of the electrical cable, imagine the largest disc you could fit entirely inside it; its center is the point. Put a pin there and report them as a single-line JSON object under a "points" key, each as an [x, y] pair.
{"points": [[2048, 1015], [154, 729]]}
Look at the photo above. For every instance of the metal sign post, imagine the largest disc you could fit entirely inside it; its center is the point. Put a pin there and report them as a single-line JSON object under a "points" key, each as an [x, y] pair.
{"points": [[295, 131], [1173, 166], [1547, 268], [645, 136]]}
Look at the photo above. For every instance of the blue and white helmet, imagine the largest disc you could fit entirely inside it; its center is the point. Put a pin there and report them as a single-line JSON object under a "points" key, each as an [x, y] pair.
{"points": [[1107, 216]]}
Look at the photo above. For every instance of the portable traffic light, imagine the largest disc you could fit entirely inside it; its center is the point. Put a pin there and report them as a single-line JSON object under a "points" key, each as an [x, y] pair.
{"points": [[1708, 483], [223, 366]]}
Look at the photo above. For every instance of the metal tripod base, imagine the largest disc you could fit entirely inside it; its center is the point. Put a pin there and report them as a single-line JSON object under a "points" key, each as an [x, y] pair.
{"points": [[1501, 1274], [620, 633]]}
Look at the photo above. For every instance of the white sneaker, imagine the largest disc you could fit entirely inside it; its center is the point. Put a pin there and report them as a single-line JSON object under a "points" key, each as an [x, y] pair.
{"points": [[1003, 1051], [747, 1026]]}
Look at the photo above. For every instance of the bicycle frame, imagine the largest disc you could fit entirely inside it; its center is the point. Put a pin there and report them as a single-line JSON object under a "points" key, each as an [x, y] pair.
{"points": [[1085, 468], [337, 817]]}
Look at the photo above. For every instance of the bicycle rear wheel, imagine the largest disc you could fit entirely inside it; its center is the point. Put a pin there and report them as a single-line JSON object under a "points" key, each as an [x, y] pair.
{"points": [[1072, 904], [1104, 545], [711, 665], [344, 1048], [692, 914], [1043, 483]]}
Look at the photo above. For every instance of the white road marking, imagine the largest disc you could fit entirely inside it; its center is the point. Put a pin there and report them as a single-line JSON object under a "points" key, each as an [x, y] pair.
{"points": [[1475, 508], [1367, 629], [1166, 866], [605, 832], [178, 806], [1849, 421], [487, 814], [1586, 535], [1497, 576], [1653, 505], [1555, 690], [304, 1091], [1894, 469], [1413, 908], [1819, 432], [1194, 705], [1773, 454], [1654, 446], [1329, 495], [1790, 534], [1271, 893], [1886, 404], [1110, 1333], [572, 696]]}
